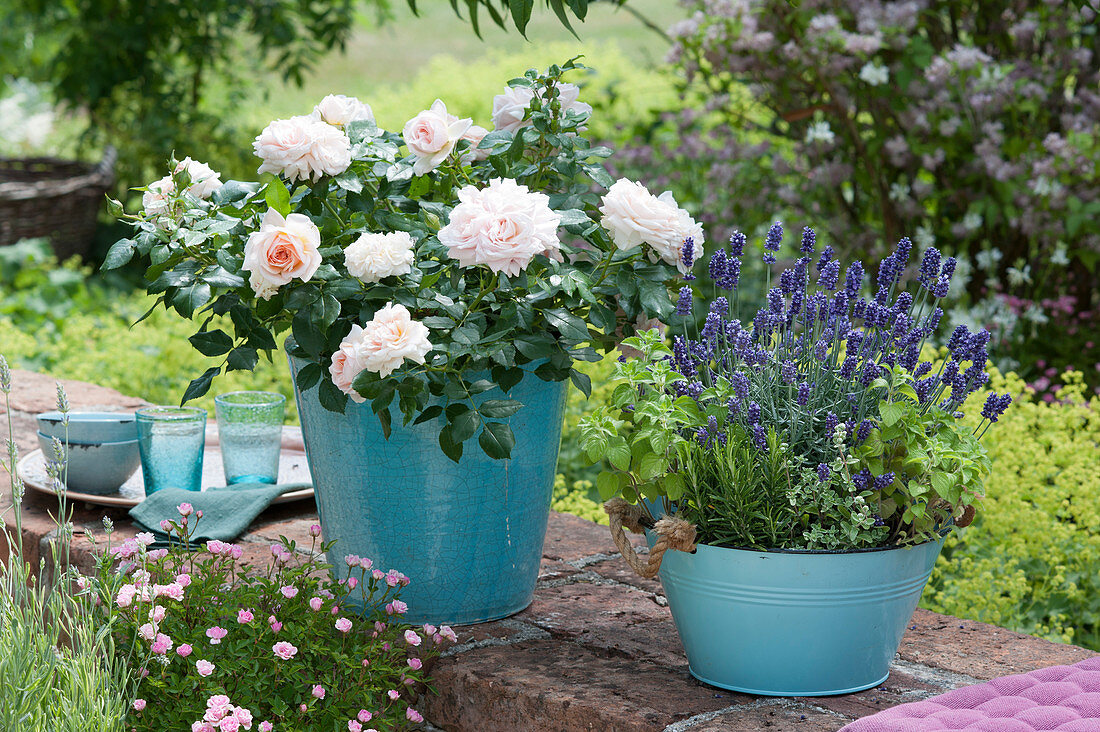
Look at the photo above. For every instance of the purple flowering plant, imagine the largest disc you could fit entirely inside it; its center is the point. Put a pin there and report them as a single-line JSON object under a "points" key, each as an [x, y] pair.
{"points": [[816, 424], [219, 645]]}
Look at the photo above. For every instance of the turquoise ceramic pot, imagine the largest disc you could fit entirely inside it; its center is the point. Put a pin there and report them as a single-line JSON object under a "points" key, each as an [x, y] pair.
{"points": [[794, 623], [469, 535]]}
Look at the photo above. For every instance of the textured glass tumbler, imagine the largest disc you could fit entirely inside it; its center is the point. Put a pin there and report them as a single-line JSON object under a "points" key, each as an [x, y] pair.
{"points": [[171, 440], [250, 431]]}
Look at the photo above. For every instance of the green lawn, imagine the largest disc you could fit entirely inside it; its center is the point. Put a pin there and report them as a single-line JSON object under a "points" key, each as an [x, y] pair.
{"points": [[381, 62]]}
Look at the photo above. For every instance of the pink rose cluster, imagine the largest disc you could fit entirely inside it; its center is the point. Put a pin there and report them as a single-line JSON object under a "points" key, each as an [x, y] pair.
{"points": [[204, 182], [302, 148], [383, 345], [222, 716]]}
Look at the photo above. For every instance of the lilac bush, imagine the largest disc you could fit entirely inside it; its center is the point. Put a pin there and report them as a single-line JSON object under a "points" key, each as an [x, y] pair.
{"points": [[973, 125], [816, 424], [223, 646]]}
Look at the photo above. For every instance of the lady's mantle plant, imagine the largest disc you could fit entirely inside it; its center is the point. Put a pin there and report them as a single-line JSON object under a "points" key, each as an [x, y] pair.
{"points": [[816, 425], [223, 647], [418, 269]]}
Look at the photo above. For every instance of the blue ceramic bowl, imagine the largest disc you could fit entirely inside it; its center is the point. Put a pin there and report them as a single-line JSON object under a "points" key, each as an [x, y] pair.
{"points": [[89, 427], [97, 468]]}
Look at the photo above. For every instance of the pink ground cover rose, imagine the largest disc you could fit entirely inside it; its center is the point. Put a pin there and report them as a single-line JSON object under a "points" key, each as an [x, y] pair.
{"points": [[431, 136], [204, 181], [634, 216], [204, 667], [281, 250], [502, 226], [343, 625], [216, 634], [284, 650], [412, 638], [302, 148]]}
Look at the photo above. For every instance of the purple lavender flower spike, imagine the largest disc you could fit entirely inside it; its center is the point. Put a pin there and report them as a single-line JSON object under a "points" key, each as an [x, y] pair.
{"points": [[941, 287], [701, 435], [803, 397], [870, 373], [730, 276], [717, 266], [787, 281], [681, 357], [848, 368], [720, 306], [741, 386], [823, 472], [687, 252], [760, 437], [826, 256], [853, 280], [922, 369], [884, 481], [775, 301], [774, 239], [789, 372], [901, 256], [863, 480], [910, 357], [831, 421], [737, 243], [929, 266], [959, 337], [864, 431], [733, 406], [753, 413], [829, 276], [683, 303], [809, 241]]}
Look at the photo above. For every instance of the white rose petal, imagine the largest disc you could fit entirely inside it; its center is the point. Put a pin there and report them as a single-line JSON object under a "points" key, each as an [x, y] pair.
{"points": [[302, 148], [339, 110], [510, 107], [204, 181], [373, 257], [503, 226], [155, 199], [634, 216]]}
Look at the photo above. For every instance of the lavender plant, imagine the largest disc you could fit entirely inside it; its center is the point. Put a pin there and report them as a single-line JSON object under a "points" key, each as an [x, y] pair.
{"points": [[814, 425]]}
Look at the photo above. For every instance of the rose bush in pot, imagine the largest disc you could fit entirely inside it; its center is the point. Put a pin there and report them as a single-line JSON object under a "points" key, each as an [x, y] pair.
{"points": [[439, 284]]}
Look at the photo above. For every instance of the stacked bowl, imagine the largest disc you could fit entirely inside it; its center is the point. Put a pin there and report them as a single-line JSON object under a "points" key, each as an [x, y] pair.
{"points": [[101, 448]]}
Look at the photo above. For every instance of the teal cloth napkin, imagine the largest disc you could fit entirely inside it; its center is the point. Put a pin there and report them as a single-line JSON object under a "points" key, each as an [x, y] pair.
{"points": [[226, 511]]}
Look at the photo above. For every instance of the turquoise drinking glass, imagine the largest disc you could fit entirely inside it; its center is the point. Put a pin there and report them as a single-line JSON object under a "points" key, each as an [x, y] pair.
{"points": [[171, 441], [250, 432]]}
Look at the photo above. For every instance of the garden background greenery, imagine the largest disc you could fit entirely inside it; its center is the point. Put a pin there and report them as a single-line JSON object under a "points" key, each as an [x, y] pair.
{"points": [[701, 109]]}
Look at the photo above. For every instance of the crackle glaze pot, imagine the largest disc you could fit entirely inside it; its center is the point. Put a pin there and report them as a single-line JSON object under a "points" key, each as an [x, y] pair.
{"points": [[794, 623], [469, 534]]}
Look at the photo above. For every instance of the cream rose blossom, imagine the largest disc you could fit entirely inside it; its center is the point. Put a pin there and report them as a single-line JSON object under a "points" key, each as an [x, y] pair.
{"points": [[155, 199], [431, 136], [503, 226], [302, 148], [348, 362], [204, 181], [372, 257], [281, 250], [634, 216], [337, 109], [510, 107], [474, 136]]}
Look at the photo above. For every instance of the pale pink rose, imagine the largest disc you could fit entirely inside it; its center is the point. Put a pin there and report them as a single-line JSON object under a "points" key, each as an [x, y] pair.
{"points": [[415, 664], [394, 694], [364, 715], [373, 257], [281, 250], [339, 110], [302, 148], [634, 216], [318, 691], [184, 650], [431, 136], [446, 632], [343, 625], [139, 704], [348, 362], [284, 650], [412, 638], [414, 716], [266, 726], [510, 107], [216, 634], [244, 617], [229, 724], [145, 538], [391, 338], [204, 181], [502, 226], [155, 199], [162, 644], [474, 136], [125, 596], [289, 591], [185, 509], [354, 726], [147, 632], [315, 603], [204, 667]]}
